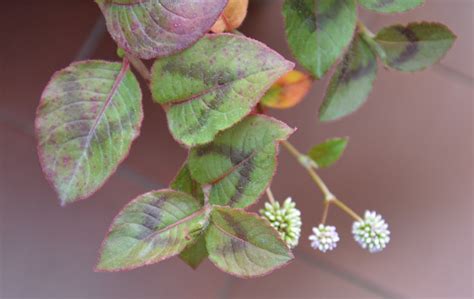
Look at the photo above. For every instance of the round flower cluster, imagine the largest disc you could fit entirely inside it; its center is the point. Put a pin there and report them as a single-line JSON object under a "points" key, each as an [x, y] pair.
{"points": [[324, 238], [286, 219], [372, 232]]}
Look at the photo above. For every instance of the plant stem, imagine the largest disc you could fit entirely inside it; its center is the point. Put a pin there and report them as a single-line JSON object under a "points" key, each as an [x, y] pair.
{"points": [[364, 30], [270, 195], [325, 211], [329, 198], [141, 68], [303, 159], [346, 209], [369, 37]]}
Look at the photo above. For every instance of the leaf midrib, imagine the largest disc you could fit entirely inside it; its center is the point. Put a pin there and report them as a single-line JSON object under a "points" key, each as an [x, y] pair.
{"points": [[246, 242], [204, 92], [118, 80]]}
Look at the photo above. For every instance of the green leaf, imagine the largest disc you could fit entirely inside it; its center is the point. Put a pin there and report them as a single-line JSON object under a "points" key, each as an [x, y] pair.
{"points": [[88, 116], [240, 163], [155, 226], [328, 152], [415, 46], [195, 253], [318, 31], [185, 183], [243, 244], [390, 6], [214, 84], [351, 83], [157, 28]]}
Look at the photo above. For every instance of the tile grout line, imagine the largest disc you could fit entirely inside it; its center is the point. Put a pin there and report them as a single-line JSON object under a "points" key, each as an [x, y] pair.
{"points": [[441, 68], [126, 172], [86, 51], [90, 44], [348, 276], [449, 71], [88, 48]]}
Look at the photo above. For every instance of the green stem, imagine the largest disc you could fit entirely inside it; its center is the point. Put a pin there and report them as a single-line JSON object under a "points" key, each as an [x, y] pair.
{"points": [[270, 195], [303, 159], [364, 30], [346, 209], [369, 37], [325, 212], [141, 68], [329, 198]]}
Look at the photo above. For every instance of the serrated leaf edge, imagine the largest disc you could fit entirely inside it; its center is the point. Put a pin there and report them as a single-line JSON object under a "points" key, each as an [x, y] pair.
{"points": [[125, 45], [290, 66], [267, 223], [40, 153], [151, 262], [428, 23]]}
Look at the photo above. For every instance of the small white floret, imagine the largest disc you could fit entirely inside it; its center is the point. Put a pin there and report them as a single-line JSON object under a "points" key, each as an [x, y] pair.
{"points": [[372, 232], [324, 238]]}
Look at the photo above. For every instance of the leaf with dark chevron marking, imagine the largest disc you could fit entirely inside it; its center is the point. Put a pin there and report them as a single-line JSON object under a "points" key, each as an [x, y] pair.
{"points": [[416, 46], [318, 31], [88, 116], [214, 84], [351, 83], [157, 28], [153, 227], [240, 162], [244, 244], [390, 6]]}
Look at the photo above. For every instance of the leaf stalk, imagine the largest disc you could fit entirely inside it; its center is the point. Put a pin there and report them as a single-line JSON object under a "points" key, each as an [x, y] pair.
{"points": [[141, 68]]}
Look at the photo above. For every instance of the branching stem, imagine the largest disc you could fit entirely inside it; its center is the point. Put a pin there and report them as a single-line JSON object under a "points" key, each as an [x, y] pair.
{"points": [[303, 159], [329, 198], [346, 209]]}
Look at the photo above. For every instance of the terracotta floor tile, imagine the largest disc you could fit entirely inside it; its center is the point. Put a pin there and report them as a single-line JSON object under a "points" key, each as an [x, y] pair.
{"points": [[41, 40], [49, 252], [299, 281], [410, 158]]}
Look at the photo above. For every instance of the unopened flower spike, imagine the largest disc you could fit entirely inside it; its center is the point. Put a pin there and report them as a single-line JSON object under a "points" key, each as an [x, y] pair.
{"points": [[324, 238], [286, 219], [371, 232]]}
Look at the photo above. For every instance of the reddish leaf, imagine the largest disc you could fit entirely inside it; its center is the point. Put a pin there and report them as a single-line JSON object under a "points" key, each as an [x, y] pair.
{"points": [[157, 28]]}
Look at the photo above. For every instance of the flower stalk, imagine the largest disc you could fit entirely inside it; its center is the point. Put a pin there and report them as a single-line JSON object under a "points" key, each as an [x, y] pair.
{"points": [[329, 198], [310, 168], [270, 196]]}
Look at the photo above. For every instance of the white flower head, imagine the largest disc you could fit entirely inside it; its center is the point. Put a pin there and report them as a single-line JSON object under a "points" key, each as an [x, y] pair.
{"points": [[372, 232], [286, 219], [324, 238]]}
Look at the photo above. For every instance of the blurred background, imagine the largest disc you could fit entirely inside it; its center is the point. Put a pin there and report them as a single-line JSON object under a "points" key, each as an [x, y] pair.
{"points": [[410, 157]]}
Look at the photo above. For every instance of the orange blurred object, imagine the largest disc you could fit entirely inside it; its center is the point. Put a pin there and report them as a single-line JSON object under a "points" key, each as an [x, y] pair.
{"points": [[232, 17], [288, 91]]}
